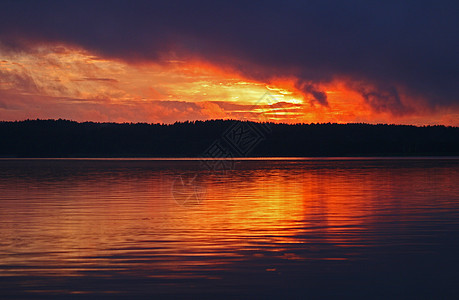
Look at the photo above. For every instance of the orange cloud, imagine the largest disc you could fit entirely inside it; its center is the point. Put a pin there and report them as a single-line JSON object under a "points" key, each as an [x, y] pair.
{"points": [[65, 82]]}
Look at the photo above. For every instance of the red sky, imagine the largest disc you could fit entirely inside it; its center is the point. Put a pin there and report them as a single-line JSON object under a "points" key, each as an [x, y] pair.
{"points": [[60, 81]]}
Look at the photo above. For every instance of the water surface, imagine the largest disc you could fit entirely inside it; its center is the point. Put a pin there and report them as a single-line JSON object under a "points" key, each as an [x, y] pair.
{"points": [[316, 228]]}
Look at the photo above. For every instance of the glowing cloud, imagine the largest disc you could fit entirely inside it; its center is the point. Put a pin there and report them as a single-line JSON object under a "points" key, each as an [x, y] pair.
{"points": [[68, 82]]}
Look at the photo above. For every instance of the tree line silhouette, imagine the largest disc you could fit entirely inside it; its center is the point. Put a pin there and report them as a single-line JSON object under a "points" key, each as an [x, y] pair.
{"points": [[63, 138]]}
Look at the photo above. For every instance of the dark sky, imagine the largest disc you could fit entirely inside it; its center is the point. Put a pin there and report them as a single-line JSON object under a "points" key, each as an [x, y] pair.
{"points": [[381, 48]]}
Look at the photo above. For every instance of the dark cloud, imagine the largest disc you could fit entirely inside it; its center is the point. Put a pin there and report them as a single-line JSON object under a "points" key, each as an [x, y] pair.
{"points": [[317, 94], [383, 99], [389, 45]]}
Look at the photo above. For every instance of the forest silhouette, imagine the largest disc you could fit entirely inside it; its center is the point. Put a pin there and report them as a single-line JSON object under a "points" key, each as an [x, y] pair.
{"points": [[63, 138]]}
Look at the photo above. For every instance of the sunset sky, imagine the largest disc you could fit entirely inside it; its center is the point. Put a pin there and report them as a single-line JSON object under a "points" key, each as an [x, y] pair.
{"points": [[167, 61]]}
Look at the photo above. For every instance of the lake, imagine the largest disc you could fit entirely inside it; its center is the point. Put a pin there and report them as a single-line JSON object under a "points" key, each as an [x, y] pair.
{"points": [[261, 228]]}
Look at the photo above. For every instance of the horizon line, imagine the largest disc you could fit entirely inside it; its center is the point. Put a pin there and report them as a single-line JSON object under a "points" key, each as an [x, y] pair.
{"points": [[228, 120]]}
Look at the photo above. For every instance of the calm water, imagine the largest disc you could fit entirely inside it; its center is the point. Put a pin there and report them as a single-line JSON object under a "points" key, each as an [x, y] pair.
{"points": [[370, 228]]}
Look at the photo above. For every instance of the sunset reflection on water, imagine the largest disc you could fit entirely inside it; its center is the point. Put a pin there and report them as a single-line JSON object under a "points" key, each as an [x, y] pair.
{"points": [[113, 226]]}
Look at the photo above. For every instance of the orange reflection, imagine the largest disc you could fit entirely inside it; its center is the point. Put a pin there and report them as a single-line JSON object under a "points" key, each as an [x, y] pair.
{"points": [[121, 216]]}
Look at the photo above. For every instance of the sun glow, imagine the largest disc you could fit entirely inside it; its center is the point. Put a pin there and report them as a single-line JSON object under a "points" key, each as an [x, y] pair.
{"points": [[65, 82]]}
